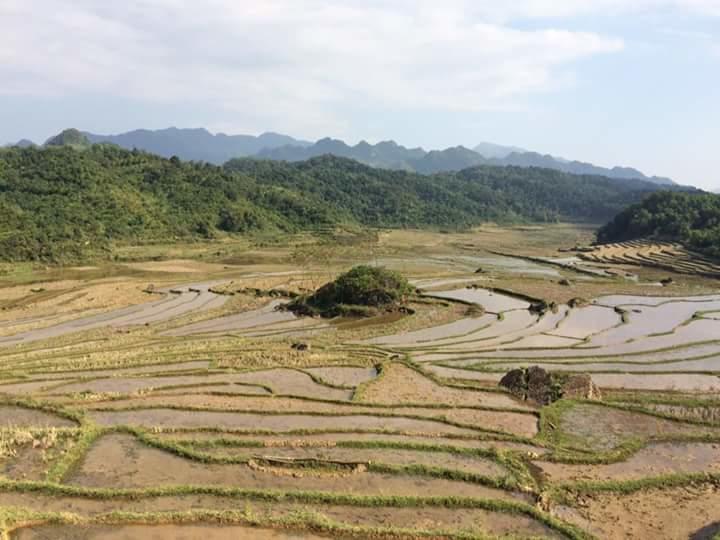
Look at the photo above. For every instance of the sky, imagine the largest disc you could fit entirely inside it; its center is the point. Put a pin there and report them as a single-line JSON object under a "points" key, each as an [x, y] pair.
{"points": [[613, 82]]}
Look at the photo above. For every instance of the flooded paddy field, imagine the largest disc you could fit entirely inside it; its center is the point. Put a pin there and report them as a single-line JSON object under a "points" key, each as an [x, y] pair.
{"points": [[194, 405]]}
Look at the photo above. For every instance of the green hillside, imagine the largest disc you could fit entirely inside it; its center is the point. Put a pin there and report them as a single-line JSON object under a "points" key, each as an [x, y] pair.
{"points": [[398, 198], [61, 203], [692, 219]]}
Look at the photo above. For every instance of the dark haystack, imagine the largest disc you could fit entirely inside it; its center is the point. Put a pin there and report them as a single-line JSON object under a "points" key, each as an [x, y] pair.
{"points": [[543, 387]]}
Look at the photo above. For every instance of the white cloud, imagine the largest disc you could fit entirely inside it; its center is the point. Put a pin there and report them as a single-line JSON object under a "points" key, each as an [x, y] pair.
{"points": [[291, 63], [547, 9], [287, 58]]}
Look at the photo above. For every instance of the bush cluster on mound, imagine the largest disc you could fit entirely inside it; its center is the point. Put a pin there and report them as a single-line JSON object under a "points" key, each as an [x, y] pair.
{"points": [[362, 291]]}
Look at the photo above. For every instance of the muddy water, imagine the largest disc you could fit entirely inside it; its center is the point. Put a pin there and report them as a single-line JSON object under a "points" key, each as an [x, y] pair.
{"points": [[583, 322], [156, 532], [241, 321], [654, 460], [676, 381], [26, 388], [507, 422], [344, 376], [403, 385], [604, 428], [689, 366], [432, 283], [17, 417], [286, 328], [121, 462], [431, 518], [499, 262], [282, 381], [534, 335], [140, 370], [275, 423], [173, 305], [684, 513], [457, 329], [292, 382], [491, 301], [644, 321], [295, 329], [130, 385], [450, 373], [648, 349], [389, 456], [514, 325], [697, 331], [28, 463], [544, 341], [622, 300]]}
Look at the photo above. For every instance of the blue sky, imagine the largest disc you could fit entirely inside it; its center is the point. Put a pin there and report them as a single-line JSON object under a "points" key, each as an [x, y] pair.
{"points": [[633, 83]]}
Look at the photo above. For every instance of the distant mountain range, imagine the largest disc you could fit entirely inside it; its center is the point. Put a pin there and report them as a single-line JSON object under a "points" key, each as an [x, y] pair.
{"points": [[22, 143], [491, 150], [390, 155], [197, 144], [201, 145]]}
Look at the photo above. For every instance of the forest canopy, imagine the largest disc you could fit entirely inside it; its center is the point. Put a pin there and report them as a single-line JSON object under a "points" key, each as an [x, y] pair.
{"points": [[67, 203], [692, 219]]}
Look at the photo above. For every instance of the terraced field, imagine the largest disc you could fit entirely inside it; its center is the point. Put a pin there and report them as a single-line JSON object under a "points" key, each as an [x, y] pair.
{"points": [[201, 411], [663, 255]]}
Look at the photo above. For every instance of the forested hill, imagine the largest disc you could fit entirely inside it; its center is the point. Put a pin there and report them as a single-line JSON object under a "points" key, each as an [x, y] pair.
{"points": [[398, 198], [692, 219], [66, 203]]}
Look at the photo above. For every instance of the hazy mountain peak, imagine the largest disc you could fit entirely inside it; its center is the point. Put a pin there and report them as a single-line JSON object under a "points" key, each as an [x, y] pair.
{"points": [[492, 150], [22, 143], [197, 144], [68, 137]]}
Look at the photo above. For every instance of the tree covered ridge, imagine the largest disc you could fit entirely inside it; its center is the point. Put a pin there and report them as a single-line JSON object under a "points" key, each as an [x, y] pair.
{"points": [[485, 193], [690, 218], [67, 203]]}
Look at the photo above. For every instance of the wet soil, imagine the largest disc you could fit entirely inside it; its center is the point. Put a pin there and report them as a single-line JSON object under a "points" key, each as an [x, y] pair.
{"points": [[20, 417], [156, 532], [120, 461], [672, 514], [388, 456], [401, 384], [654, 460], [344, 376], [276, 423], [431, 518], [604, 428]]}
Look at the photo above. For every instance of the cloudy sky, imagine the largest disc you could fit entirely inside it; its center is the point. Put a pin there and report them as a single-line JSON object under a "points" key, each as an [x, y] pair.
{"points": [[614, 82]]}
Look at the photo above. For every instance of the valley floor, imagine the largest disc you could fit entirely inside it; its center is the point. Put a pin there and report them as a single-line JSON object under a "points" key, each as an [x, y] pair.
{"points": [[164, 396]]}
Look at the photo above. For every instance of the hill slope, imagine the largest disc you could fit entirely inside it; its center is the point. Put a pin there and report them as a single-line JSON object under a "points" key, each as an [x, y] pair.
{"points": [[64, 203], [399, 198], [692, 219]]}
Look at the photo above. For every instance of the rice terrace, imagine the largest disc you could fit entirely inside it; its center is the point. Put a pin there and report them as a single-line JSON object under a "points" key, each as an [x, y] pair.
{"points": [[298, 387]]}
